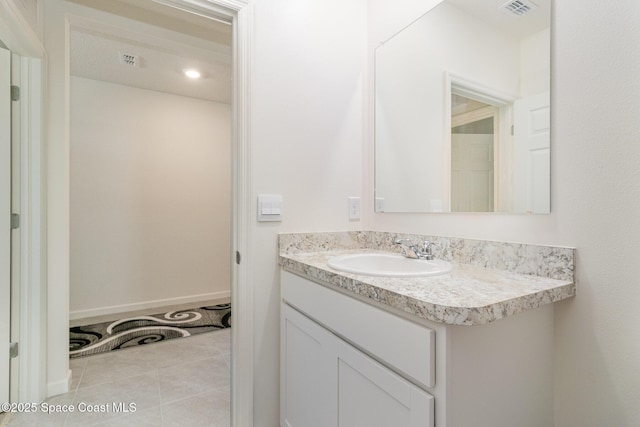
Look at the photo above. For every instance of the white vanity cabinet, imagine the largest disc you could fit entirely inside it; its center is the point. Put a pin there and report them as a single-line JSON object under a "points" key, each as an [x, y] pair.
{"points": [[328, 382], [348, 361]]}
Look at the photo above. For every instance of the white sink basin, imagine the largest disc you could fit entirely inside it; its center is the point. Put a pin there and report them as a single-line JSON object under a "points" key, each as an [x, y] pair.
{"points": [[388, 265]]}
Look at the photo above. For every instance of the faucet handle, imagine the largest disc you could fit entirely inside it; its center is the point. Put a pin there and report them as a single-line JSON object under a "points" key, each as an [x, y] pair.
{"points": [[427, 245], [407, 244]]}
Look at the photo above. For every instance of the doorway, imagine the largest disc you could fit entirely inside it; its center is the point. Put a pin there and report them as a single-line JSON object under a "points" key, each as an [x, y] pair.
{"points": [[150, 181], [479, 149], [150, 171], [60, 15]]}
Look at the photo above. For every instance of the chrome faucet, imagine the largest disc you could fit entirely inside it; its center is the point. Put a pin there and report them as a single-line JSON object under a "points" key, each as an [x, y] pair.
{"points": [[410, 250]]}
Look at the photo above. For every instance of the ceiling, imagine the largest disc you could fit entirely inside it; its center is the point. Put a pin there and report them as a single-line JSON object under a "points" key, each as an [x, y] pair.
{"points": [[192, 41], [163, 54]]}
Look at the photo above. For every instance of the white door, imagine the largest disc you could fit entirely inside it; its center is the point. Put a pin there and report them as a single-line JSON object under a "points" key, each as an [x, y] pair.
{"points": [[370, 395], [307, 372], [5, 220], [532, 154], [472, 167]]}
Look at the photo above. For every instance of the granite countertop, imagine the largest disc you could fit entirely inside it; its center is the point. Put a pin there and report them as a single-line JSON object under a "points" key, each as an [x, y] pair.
{"points": [[468, 295]]}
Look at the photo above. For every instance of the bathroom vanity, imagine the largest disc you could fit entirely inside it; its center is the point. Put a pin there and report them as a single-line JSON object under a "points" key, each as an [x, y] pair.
{"points": [[470, 347]]}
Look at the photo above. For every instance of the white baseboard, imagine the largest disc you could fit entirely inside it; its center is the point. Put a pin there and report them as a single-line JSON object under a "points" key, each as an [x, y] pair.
{"points": [[59, 387], [102, 311]]}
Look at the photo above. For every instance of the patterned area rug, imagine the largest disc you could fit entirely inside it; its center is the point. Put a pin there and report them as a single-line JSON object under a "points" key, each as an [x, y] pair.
{"points": [[140, 330]]}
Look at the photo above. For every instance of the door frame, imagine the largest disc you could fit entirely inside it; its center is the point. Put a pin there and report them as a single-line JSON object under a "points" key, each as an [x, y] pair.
{"points": [[6, 208], [454, 83], [45, 208], [20, 38], [239, 14]]}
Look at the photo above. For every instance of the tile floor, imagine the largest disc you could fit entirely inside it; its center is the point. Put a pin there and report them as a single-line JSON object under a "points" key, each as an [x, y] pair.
{"points": [[180, 382]]}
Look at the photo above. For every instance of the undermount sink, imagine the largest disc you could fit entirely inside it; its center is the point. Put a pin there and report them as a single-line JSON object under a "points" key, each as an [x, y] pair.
{"points": [[388, 265]]}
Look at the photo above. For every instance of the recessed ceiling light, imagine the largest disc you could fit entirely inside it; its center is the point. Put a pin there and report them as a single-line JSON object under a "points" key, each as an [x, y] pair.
{"points": [[192, 74]]}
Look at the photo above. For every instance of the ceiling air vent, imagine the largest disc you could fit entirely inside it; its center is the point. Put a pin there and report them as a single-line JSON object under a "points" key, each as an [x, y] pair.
{"points": [[128, 59], [518, 7]]}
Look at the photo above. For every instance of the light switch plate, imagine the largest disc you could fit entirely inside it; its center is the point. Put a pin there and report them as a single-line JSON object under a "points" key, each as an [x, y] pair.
{"points": [[354, 207], [269, 207]]}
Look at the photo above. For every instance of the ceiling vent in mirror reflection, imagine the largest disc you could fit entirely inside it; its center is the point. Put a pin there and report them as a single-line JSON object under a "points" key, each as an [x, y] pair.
{"points": [[518, 7]]}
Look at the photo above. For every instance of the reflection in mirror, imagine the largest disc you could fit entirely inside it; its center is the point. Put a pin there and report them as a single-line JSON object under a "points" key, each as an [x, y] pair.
{"points": [[472, 161], [462, 106]]}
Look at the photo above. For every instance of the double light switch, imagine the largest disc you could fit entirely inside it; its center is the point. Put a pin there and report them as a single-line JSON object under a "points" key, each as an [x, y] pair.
{"points": [[269, 207]]}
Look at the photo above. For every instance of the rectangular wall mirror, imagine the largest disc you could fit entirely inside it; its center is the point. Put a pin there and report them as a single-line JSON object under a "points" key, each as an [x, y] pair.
{"points": [[462, 110]]}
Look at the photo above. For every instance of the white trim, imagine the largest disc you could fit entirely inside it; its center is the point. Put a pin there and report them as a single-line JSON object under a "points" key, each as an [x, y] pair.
{"points": [[57, 196], [446, 149], [242, 334], [20, 38], [6, 260], [217, 10], [474, 90], [59, 387], [33, 300], [16, 235], [123, 308]]}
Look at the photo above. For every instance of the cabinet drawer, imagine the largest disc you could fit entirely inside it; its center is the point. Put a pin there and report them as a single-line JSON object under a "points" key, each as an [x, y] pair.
{"points": [[406, 347]]}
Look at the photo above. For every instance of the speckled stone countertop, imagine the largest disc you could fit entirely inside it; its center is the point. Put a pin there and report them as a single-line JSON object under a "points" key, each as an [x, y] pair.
{"points": [[489, 281]]}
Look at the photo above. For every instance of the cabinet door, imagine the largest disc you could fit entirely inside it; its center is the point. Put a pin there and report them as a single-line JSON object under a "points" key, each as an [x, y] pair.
{"points": [[370, 395], [308, 381]]}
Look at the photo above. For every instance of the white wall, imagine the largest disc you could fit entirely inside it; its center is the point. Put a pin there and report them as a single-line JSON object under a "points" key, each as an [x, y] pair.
{"points": [[150, 198], [595, 207], [307, 122]]}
